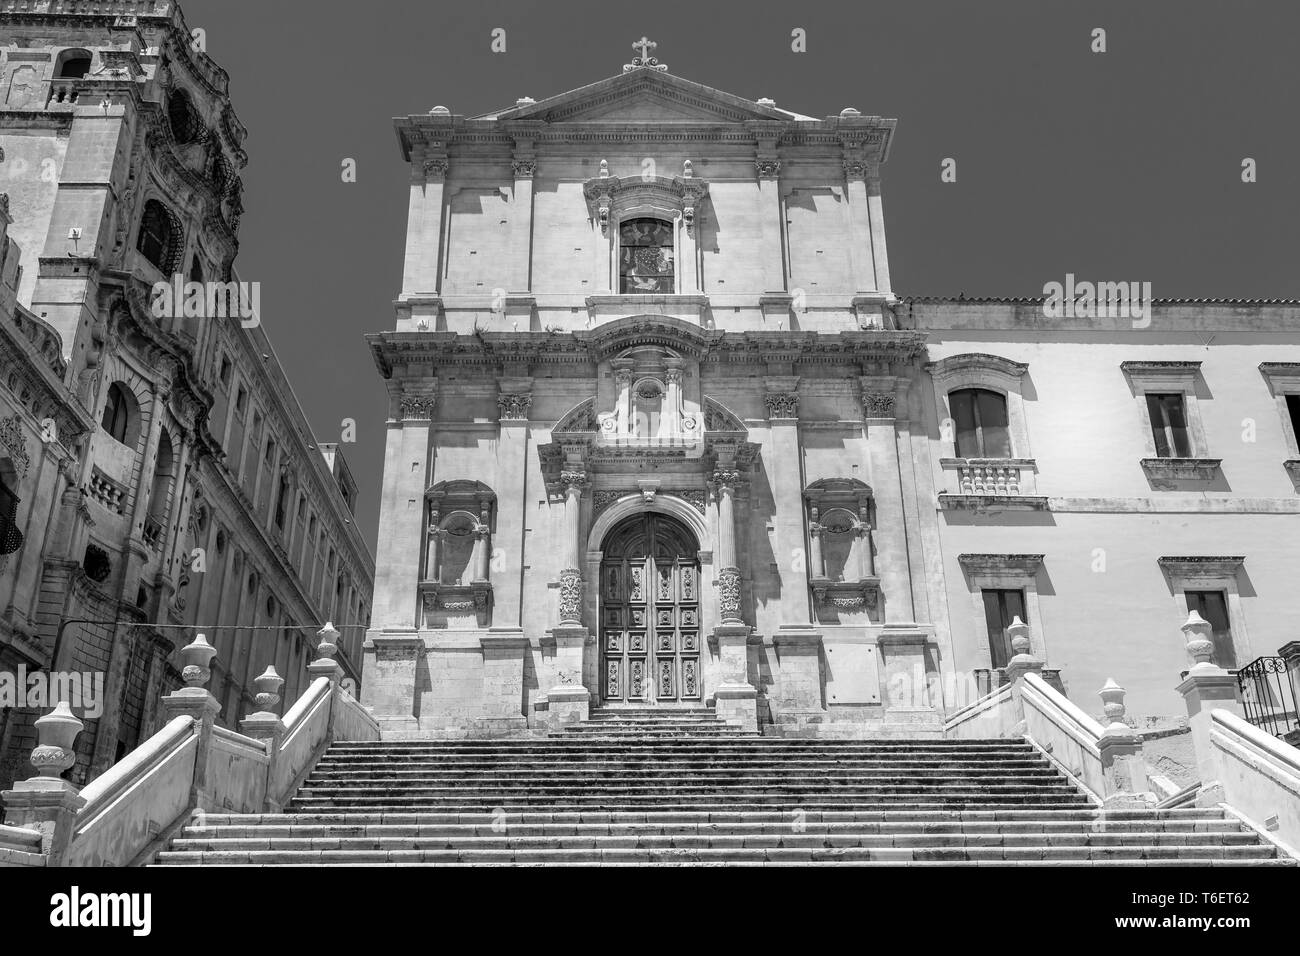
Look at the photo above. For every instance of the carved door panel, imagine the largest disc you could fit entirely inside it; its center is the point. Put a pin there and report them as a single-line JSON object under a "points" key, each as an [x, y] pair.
{"points": [[650, 612]]}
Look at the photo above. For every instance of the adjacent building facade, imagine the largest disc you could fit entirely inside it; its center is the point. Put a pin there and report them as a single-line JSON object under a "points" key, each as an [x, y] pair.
{"points": [[661, 431], [159, 476]]}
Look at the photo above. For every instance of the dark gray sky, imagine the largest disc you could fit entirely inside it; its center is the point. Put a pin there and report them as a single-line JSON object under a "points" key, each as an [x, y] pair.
{"points": [[1118, 166]]}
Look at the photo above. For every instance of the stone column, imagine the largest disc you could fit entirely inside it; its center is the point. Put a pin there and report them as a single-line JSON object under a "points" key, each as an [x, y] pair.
{"points": [[514, 400], [406, 474], [735, 698], [860, 252], [767, 167], [569, 700], [670, 422], [785, 469], [521, 224], [879, 408], [880, 258], [424, 224], [434, 535], [1206, 687], [816, 559], [47, 802], [623, 407]]}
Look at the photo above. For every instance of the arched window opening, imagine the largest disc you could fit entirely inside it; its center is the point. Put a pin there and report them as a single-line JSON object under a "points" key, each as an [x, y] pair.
{"points": [[159, 237], [183, 118], [980, 421], [72, 65], [11, 539], [120, 414], [646, 263]]}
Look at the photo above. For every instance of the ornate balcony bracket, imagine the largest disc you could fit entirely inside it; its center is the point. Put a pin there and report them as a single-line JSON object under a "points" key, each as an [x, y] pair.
{"points": [[443, 600], [861, 596], [1163, 472]]}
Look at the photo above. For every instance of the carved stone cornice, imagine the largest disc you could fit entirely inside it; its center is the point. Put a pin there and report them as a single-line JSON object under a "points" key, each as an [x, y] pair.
{"points": [[683, 194]]}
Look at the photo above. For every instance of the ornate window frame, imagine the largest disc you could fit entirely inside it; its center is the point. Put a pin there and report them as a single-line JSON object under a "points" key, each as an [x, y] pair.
{"points": [[678, 200], [1210, 573], [1005, 571], [1283, 380], [978, 483], [1171, 377]]}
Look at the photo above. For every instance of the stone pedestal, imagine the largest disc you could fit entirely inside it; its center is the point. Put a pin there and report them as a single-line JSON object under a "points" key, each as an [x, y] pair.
{"points": [[909, 709], [735, 698], [198, 704], [49, 805], [392, 663], [568, 702], [1124, 768], [269, 728], [502, 699], [1207, 688]]}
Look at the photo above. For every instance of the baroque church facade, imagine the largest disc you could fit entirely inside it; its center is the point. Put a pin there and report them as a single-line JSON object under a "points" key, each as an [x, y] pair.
{"points": [[661, 433]]}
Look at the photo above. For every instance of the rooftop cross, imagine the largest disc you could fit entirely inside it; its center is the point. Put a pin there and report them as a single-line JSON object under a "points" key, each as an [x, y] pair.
{"points": [[644, 46]]}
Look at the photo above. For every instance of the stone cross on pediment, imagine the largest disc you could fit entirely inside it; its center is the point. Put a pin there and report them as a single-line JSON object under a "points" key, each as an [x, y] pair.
{"points": [[644, 46]]}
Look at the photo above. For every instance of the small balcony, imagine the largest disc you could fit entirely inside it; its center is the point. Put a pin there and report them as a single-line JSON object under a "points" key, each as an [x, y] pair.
{"points": [[981, 484]]}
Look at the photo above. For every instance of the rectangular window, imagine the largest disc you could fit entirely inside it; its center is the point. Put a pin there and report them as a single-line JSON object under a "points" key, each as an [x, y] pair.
{"points": [[241, 401], [269, 455], [1213, 607], [1169, 424], [1001, 607], [224, 374], [1293, 408], [980, 417]]}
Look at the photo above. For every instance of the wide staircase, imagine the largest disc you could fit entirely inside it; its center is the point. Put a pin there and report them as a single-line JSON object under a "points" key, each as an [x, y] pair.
{"points": [[657, 787]]}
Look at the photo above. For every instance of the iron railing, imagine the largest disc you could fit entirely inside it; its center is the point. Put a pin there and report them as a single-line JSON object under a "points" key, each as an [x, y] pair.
{"points": [[1268, 697]]}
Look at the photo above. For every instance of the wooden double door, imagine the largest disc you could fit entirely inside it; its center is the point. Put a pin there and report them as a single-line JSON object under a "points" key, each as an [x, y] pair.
{"points": [[650, 612]]}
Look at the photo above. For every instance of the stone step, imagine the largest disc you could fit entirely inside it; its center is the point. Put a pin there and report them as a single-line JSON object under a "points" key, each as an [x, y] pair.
{"points": [[557, 748], [1205, 844], [705, 804], [1041, 829], [1090, 815], [667, 795], [768, 743], [991, 855], [197, 859], [675, 772], [791, 768]]}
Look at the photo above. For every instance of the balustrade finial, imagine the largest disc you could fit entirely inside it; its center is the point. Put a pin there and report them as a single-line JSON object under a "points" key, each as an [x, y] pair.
{"points": [[196, 658], [328, 645], [1200, 645], [1112, 699], [268, 690], [55, 733]]}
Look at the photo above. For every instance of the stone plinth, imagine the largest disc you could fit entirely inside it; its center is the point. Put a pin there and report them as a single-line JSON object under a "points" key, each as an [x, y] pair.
{"points": [[735, 699], [502, 712], [392, 663], [1207, 688], [568, 702], [909, 709], [798, 699]]}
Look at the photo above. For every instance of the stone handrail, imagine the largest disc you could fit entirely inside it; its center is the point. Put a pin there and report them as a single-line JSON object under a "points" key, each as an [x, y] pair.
{"points": [[1064, 731], [20, 847], [1260, 777], [307, 727], [127, 806], [993, 715]]}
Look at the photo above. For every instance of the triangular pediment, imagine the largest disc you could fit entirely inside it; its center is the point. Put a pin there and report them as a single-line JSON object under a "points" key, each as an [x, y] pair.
{"points": [[645, 96]]}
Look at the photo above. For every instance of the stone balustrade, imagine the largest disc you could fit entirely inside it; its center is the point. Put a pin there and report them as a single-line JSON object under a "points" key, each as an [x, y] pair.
{"points": [[128, 813]]}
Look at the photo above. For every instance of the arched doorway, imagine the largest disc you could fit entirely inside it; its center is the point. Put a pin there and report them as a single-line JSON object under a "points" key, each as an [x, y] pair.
{"points": [[650, 611]]}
